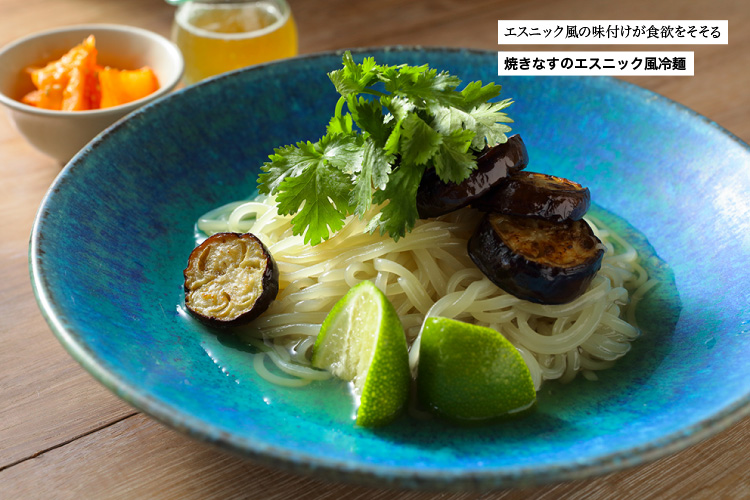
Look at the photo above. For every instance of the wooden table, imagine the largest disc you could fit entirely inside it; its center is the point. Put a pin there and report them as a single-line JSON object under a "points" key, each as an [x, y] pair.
{"points": [[62, 435]]}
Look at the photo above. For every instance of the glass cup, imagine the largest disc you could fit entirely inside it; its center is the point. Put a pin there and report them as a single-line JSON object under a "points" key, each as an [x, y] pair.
{"points": [[219, 36]]}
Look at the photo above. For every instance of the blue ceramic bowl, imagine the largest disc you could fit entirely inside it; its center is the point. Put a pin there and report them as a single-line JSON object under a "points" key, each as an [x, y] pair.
{"points": [[113, 234]]}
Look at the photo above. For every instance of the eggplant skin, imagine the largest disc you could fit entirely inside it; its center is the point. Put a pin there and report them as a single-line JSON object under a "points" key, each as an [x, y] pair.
{"points": [[435, 197], [230, 279], [537, 195], [537, 260]]}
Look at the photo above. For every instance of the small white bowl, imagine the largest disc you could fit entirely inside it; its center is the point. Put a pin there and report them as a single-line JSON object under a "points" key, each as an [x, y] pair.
{"points": [[61, 134]]}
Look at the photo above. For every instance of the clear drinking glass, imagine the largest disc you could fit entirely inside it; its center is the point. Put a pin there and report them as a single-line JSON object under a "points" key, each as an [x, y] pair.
{"points": [[219, 36]]}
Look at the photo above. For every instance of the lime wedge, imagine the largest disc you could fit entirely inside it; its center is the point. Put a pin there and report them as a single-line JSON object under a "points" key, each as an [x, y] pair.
{"points": [[470, 373], [362, 341]]}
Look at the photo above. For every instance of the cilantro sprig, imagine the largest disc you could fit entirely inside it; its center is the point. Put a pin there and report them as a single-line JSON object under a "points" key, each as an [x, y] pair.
{"points": [[389, 125]]}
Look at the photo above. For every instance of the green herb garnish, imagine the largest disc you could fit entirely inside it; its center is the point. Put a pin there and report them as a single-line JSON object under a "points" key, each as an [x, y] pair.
{"points": [[408, 118]]}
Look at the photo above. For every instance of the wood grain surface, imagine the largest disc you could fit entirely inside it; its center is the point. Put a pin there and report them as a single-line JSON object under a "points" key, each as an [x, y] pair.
{"points": [[62, 435]]}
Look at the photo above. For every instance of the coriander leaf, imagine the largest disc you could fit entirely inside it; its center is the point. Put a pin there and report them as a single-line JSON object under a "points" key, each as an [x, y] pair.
{"points": [[395, 76], [419, 141], [432, 86], [380, 164], [399, 215], [391, 144], [400, 107], [485, 119], [311, 179], [373, 174], [353, 78], [340, 125], [323, 193], [368, 115], [344, 151], [285, 162], [417, 119], [453, 161], [489, 123], [363, 72], [344, 83], [447, 119], [475, 94], [425, 87]]}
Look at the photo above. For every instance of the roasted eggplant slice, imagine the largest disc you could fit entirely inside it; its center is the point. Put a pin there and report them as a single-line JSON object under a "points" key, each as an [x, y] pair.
{"points": [[435, 197], [230, 279], [536, 259], [537, 195]]}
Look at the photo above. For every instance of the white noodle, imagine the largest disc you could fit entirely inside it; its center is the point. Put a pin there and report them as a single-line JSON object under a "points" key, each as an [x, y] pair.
{"points": [[428, 273]]}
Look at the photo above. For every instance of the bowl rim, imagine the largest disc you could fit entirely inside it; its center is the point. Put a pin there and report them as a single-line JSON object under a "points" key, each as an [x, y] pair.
{"points": [[169, 47], [370, 474]]}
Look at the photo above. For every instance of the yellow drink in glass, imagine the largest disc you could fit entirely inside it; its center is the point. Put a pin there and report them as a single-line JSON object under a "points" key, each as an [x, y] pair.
{"points": [[216, 37]]}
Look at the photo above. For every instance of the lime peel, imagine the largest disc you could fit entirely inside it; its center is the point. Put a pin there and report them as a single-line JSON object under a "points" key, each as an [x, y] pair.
{"points": [[469, 373], [362, 341]]}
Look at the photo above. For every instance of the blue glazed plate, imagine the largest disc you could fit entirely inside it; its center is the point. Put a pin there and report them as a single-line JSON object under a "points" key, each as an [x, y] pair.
{"points": [[113, 234]]}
